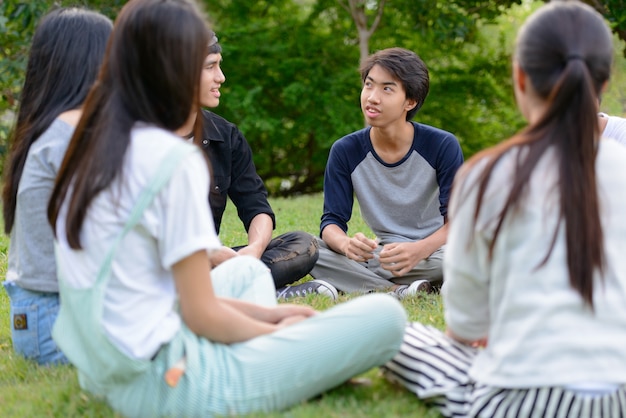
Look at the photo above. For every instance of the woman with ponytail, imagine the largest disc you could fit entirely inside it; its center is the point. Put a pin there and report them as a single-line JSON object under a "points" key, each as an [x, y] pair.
{"points": [[535, 292]]}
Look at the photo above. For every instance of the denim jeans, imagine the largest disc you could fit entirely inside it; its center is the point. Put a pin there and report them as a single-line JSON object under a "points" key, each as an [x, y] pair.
{"points": [[32, 317], [290, 257]]}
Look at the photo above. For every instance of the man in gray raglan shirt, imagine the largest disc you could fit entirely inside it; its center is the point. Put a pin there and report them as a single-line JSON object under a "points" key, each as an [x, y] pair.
{"points": [[401, 173]]}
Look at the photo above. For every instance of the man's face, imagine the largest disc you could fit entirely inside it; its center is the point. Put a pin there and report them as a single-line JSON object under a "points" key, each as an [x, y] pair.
{"points": [[383, 99], [211, 81]]}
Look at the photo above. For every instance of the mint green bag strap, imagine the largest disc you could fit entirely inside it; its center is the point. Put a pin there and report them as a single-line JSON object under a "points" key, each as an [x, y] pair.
{"points": [[78, 329], [166, 168]]}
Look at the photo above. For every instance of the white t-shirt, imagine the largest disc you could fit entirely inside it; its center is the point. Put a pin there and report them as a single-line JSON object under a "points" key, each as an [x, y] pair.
{"points": [[139, 308], [540, 332], [615, 128]]}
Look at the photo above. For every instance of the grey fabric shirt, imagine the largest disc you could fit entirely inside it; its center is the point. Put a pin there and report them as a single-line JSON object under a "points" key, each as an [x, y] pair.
{"points": [[403, 201], [31, 251]]}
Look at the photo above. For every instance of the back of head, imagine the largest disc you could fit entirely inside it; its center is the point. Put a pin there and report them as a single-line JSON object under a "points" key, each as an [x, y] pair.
{"points": [[65, 56], [155, 59], [565, 52], [560, 38], [407, 67], [151, 73]]}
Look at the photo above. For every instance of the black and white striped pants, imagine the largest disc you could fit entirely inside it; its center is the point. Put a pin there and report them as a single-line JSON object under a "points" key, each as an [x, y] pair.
{"points": [[435, 368]]}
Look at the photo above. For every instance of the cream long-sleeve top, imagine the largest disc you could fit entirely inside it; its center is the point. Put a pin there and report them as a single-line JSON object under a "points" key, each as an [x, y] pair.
{"points": [[540, 332]]}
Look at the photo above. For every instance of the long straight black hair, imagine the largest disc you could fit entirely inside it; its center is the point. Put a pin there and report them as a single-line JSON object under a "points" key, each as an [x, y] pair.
{"points": [[151, 73], [65, 56], [565, 49]]}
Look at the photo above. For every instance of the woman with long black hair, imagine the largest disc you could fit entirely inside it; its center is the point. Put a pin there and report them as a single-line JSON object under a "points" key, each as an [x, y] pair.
{"points": [[65, 56], [145, 319], [535, 291]]}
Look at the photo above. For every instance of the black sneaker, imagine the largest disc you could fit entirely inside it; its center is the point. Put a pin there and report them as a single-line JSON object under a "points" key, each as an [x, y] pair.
{"points": [[313, 286]]}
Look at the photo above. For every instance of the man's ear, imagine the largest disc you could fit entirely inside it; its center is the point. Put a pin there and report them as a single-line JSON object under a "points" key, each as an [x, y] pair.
{"points": [[519, 77], [410, 104]]}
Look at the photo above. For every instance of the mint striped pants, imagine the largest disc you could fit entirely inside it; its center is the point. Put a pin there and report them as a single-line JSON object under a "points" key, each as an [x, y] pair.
{"points": [[270, 372]]}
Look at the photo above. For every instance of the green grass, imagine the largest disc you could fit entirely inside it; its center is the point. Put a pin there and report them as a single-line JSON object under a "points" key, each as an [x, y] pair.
{"points": [[28, 390]]}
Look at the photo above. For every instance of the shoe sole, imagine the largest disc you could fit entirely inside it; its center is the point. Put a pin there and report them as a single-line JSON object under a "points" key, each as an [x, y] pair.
{"points": [[329, 289], [425, 287]]}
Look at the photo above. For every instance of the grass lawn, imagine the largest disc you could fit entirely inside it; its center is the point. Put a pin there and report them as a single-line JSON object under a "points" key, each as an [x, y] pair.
{"points": [[27, 390]]}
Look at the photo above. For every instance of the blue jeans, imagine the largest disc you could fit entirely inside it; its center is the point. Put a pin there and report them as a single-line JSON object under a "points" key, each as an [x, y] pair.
{"points": [[32, 317], [290, 257]]}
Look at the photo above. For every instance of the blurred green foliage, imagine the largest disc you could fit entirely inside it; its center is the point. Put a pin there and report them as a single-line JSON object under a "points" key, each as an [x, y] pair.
{"points": [[291, 66]]}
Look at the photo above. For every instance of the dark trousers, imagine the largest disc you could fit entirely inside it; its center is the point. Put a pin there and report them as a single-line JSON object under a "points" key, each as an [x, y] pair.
{"points": [[290, 257]]}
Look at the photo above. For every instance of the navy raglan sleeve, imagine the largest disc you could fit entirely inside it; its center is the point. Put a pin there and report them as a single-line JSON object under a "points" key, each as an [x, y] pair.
{"points": [[338, 189], [449, 159]]}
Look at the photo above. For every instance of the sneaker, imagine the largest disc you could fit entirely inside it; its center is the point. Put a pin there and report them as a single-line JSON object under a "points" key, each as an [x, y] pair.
{"points": [[418, 286], [313, 286]]}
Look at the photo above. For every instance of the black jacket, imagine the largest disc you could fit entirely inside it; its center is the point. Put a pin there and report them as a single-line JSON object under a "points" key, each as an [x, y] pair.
{"points": [[234, 173]]}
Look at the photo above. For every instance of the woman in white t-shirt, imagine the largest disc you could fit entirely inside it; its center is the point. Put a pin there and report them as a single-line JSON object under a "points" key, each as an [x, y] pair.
{"points": [[535, 290], [146, 321]]}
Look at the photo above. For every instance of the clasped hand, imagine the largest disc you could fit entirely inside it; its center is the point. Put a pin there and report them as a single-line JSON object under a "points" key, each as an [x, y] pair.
{"points": [[222, 254], [397, 257], [285, 314], [360, 248]]}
